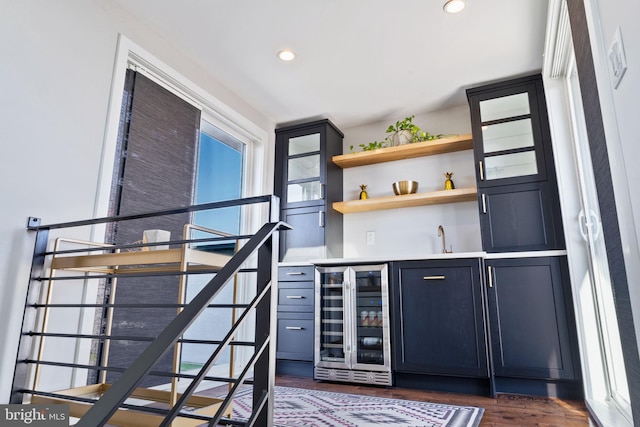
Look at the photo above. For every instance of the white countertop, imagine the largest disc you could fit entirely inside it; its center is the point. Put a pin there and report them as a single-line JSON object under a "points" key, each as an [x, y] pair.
{"points": [[420, 257]]}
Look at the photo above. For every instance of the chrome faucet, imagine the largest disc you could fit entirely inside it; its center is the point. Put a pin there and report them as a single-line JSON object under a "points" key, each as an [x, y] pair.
{"points": [[444, 245]]}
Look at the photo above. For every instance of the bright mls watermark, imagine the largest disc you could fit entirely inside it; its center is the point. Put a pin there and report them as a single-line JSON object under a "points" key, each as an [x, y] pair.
{"points": [[34, 415]]}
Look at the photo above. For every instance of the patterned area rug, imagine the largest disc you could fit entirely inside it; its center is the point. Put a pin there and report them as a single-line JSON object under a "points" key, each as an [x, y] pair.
{"points": [[301, 407]]}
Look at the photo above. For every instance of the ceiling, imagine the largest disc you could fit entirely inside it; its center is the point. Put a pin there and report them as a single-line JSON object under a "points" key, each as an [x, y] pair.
{"points": [[359, 61]]}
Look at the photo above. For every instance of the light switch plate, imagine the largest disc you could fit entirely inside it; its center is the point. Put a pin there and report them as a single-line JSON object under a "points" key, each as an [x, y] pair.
{"points": [[617, 59], [371, 238]]}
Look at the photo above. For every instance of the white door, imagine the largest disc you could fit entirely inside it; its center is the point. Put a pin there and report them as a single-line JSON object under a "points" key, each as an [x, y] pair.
{"points": [[611, 382]]}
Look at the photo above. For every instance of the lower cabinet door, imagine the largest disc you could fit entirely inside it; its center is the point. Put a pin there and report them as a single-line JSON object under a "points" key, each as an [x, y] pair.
{"points": [[531, 332], [306, 239], [438, 318], [295, 336], [519, 218]]}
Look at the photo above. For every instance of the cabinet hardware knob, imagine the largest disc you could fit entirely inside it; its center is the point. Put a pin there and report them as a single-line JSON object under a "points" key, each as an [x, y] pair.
{"points": [[295, 297], [294, 328], [433, 278]]}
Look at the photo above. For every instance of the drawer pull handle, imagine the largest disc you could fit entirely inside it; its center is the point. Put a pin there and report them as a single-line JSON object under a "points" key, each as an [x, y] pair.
{"points": [[295, 273], [295, 297], [481, 170], [433, 278], [294, 328]]}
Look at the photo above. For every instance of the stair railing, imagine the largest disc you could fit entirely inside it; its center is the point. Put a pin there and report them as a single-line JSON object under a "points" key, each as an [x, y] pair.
{"points": [[262, 362]]}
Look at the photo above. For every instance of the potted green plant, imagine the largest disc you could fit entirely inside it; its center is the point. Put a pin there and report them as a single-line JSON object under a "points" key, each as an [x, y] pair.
{"points": [[402, 132], [405, 132]]}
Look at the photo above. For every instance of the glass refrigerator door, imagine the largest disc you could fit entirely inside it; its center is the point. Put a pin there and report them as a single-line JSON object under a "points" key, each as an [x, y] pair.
{"points": [[371, 323], [332, 334]]}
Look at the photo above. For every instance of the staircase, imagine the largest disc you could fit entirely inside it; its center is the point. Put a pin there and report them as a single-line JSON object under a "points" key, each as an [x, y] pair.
{"points": [[54, 350]]}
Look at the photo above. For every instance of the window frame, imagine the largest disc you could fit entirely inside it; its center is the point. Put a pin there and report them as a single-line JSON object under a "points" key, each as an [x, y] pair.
{"points": [[257, 141]]}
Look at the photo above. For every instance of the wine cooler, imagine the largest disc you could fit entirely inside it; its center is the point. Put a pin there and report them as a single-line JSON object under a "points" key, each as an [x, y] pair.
{"points": [[352, 341]]}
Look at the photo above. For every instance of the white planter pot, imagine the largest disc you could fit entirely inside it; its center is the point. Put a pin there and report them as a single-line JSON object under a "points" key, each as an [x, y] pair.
{"points": [[401, 137]]}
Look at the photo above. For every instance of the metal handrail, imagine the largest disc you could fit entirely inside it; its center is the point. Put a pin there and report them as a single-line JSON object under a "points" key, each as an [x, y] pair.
{"points": [[112, 399], [34, 223]]}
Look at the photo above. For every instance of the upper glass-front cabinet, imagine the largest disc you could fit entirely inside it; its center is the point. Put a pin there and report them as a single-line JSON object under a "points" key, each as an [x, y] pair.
{"points": [[308, 183], [507, 134], [303, 169], [302, 153]]}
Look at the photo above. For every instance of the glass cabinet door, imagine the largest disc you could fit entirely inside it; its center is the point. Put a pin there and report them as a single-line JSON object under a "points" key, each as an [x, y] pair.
{"points": [[332, 332], [371, 349], [370, 319], [508, 129], [303, 169]]}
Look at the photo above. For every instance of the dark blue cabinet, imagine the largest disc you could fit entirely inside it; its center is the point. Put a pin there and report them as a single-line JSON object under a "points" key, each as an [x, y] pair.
{"points": [[308, 182], [295, 324], [517, 190], [438, 318], [520, 216], [530, 319]]}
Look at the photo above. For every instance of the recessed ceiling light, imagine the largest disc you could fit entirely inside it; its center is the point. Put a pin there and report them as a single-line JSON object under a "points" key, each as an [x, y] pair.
{"points": [[453, 6], [287, 55]]}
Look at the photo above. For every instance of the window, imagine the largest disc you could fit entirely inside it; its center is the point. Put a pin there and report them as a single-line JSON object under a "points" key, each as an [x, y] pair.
{"points": [[219, 177], [217, 121]]}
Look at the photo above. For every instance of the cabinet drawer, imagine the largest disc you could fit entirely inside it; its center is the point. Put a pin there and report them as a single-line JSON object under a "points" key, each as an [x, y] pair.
{"points": [[295, 273], [295, 338], [295, 298]]}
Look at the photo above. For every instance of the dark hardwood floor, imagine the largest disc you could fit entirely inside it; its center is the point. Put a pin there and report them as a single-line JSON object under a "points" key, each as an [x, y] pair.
{"points": [[503, 411]]}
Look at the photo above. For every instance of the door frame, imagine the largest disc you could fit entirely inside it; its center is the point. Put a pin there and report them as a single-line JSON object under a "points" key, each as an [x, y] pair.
{"points": [[569, 25]]}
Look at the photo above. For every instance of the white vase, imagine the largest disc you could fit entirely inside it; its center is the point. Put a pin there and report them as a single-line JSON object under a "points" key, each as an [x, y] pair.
{"points": [[401, 137]]}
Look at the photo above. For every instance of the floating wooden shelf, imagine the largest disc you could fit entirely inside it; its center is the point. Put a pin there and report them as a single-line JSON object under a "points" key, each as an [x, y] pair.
{"points": [[406, 151], [407, 200]]}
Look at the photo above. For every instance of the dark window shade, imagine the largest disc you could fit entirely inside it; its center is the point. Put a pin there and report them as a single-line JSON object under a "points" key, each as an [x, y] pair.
{"points": [[160, 160], [155, 169]]}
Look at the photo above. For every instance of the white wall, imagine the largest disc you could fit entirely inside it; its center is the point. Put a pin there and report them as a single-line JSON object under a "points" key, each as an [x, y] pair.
{"points": [[412, 231], [57, 66], [622, 127]]}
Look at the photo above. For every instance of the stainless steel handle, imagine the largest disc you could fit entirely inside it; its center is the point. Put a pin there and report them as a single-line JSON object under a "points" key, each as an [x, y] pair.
{"points": [[323, 191], [433, 278], [490, 273], [294, 328], [321, 218], [294, 297], [349, 328], [294, 273], [481, 170], [484, 203]]}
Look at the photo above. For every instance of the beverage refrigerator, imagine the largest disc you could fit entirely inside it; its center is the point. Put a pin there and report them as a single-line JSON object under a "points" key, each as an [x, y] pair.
{"points": [[352, 342]]}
